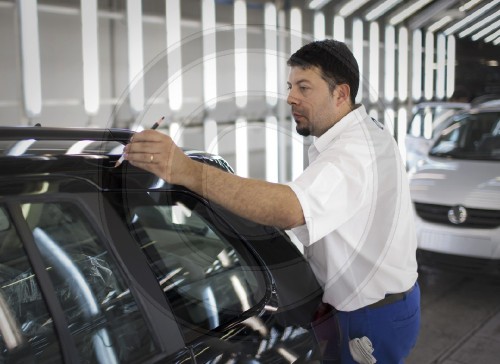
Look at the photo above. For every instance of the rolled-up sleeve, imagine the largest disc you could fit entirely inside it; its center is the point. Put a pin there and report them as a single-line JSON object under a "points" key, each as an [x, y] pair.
{"points": [[329, 195]]}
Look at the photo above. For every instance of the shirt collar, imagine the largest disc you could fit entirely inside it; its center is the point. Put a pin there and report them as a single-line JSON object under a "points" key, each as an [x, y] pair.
{"points": [[356, 115]]}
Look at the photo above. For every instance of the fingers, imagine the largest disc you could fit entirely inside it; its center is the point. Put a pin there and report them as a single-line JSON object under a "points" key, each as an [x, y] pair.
{"points": [[150, 150], [148, 141]]}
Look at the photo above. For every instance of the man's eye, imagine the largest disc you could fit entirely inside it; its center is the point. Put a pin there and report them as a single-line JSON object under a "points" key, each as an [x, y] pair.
{"points": [[303, 88], [288, 87]]}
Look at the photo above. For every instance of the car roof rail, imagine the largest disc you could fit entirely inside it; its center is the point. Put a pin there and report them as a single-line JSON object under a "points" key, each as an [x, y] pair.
{"points": [[51, 133]]}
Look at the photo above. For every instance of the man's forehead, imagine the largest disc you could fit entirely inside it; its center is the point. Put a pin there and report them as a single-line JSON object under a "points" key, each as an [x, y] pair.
{"points": [[298, 73]]}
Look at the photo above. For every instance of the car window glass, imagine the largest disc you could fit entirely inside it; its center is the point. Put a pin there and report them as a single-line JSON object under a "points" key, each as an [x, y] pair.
{"points": [[416, 124], [26, 327], [206, 278], [4, 220], [102, 314], [473, 136]]}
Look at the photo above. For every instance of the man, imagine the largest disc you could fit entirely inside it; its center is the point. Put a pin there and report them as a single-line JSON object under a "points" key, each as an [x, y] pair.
{"points": [[350, 208]]}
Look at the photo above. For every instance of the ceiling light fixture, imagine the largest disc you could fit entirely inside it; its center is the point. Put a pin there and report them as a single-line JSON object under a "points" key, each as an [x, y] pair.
{"points": [[318, 4], [351, 7], [493, 36], [486, 31], [439, 24], [402, 15], [496, 41], [479, 24], [470, 18], [469, 5], [381, 9]]}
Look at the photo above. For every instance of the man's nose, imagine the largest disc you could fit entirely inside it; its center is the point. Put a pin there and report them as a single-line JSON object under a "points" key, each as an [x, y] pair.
{"points": [[291, 100]]}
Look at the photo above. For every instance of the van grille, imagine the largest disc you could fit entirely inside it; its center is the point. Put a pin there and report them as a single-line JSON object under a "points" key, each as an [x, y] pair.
{"points": [[476, 218]]}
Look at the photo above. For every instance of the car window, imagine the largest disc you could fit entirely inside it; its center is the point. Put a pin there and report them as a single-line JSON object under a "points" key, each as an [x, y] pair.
{"points": [[473, 136], [205, 273], [426, 120], [26, 327], [103, 316]]}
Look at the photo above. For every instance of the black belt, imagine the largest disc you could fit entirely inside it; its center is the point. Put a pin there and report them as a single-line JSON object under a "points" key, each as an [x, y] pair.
{"points": [[391, 298]]}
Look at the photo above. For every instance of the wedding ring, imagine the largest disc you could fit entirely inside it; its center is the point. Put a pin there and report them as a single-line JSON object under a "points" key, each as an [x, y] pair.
{"points": [[151, 158]]}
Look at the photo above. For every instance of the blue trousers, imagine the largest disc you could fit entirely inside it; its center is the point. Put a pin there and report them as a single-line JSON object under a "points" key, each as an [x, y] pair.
{"points": [[393, 330]]}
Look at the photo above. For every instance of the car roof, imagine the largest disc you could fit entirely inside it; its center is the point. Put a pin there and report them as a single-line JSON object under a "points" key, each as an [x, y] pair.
{"points": [[443, 104], [36, 151]]}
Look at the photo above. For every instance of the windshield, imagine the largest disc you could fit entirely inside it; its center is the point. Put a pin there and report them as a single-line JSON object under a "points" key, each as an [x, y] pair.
{"points": [[471, 136]]}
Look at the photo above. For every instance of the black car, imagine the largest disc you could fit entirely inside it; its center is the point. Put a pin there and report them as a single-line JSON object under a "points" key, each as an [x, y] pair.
{"points": [[113, 265]]}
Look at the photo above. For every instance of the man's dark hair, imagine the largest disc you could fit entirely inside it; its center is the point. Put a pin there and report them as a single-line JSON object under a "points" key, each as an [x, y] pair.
{"points": [[334, 59]]}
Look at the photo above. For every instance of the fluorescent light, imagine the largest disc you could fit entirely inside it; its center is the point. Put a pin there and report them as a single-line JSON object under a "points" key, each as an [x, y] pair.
{"points": [[374, 62], [470, 18], [319, 25], [90, 56], [389, 64], [417, 65], [241, 135], [210, 136], [403, 64], [450, 66], [339, 28], [486, 30], [492, 36], [271, 41], [271, 134], [357, 45], [135, 56], [174, 56], [439, 24], [318, 4], [381, 9], [209, 54], [295, 29], [479, 24], [30, 57], [351, 6], [441, 66], [469, 5], [240, 53], [413, 8], [496, 41], [429, 66]]}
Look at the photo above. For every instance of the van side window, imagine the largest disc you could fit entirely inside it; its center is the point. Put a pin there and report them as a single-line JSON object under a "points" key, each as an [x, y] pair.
{"points": [[26, 327], [206, 276], [102, 314]]}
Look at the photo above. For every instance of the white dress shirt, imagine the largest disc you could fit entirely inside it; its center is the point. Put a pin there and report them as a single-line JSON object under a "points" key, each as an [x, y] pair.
{"points": [[359, 235]]}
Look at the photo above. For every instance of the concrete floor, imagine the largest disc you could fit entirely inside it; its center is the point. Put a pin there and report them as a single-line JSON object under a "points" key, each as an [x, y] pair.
{"points": [[460, 319]]}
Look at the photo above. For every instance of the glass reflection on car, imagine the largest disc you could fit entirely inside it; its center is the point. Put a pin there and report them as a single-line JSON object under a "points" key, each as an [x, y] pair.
{"points": [[88, 285], [206, 279], [475, 136]]}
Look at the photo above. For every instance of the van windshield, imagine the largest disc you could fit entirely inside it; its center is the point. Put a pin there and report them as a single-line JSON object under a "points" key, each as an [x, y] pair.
{"points": [[471, 136]]}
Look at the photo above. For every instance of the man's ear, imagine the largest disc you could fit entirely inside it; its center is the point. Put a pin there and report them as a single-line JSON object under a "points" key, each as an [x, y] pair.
{"points": [[343, 93]]}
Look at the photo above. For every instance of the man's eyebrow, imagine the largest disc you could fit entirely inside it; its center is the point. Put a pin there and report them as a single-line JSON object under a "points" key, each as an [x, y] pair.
{"points": [[300, 81]]}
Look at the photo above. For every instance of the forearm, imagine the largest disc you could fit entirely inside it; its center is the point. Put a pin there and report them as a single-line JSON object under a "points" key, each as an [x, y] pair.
{"points": [[260, 201]]}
